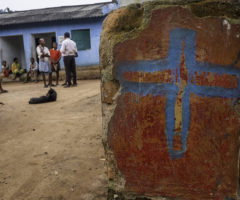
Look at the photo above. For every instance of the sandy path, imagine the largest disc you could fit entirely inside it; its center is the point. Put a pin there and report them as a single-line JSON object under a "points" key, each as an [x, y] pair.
{"points": [[51, 151]]}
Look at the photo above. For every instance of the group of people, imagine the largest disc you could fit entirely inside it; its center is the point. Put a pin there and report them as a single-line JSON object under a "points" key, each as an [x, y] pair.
{"points": [[15, 69], [49, 61], [6, 71]]}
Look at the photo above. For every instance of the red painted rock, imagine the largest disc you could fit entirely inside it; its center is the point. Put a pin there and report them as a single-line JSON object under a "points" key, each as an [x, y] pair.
{"points": [[172, 129]]}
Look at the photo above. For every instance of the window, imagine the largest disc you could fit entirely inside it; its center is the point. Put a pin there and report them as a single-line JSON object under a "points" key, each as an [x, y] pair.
{"points": [[82, 38]]}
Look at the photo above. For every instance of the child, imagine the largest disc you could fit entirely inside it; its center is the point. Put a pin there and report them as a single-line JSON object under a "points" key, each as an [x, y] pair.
{"points": [[16, 68], [5, 69], [55, 58], [33, 70]]}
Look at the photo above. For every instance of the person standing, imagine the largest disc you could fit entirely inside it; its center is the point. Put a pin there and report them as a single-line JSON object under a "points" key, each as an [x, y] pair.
{"points": [[69, 52], [44, 64], [55, 58]]}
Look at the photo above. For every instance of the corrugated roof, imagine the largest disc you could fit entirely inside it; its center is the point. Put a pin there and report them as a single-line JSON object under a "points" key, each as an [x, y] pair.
{"points": [[52, 14]]}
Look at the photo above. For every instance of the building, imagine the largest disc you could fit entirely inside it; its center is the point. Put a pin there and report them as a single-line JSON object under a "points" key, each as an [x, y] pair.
{"points": [[20, 31]]}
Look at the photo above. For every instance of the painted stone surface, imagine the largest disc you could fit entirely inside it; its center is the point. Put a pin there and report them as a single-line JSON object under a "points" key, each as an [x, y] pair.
{"points": [[174, 131]]}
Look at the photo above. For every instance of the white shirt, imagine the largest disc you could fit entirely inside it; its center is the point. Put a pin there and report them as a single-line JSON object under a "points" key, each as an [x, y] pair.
{"points": [[69, 47], [3, 67], [43, 50]]}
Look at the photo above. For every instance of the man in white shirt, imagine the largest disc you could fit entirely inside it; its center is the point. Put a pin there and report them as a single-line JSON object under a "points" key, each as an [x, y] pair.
{"points": [[44, 62], [69, 52]]}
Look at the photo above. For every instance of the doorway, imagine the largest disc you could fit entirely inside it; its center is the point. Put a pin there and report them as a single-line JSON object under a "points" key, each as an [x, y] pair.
{"points": [[49, 39], [11, 47]]}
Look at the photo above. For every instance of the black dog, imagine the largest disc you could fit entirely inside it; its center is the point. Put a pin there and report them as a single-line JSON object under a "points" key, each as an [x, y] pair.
{"points": [[50, 97]]}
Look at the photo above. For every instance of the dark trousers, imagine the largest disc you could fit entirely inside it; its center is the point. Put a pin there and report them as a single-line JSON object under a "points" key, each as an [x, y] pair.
{"points": [[70, 69]]}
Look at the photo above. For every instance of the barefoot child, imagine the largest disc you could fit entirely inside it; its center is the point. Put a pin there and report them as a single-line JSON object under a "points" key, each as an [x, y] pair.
{"points": [[55, 58], [5, 69], [16, 68]]}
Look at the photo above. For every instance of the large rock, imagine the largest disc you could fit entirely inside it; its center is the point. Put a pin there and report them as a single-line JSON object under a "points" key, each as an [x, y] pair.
{"points": [[170, 81]]}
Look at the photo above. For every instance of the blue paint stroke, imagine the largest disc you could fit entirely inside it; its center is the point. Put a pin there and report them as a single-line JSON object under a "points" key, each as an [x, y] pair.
{"points": [[173, 63]]}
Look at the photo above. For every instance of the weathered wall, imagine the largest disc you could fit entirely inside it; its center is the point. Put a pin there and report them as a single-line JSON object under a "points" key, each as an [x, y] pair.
{"points": [[85, 58], [170, 79]]}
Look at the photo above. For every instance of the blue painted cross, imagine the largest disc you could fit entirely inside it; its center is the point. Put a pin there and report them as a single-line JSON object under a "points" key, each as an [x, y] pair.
{"points": [[170, 90]]}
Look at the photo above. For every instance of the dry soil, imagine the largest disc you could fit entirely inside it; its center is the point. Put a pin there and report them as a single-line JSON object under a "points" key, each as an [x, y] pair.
{"points": [[52, 151]]}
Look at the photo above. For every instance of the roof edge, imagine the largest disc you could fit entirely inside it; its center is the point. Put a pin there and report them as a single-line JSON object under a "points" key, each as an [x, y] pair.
{"points": [[101, 3]]}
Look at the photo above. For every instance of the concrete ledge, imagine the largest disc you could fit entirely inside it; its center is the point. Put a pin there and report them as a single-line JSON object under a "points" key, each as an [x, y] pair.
{"points": [[83, 73], [89, 72]]}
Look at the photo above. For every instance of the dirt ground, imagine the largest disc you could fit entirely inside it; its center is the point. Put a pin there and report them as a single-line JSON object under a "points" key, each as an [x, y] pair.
{"points": [[52, 151]]}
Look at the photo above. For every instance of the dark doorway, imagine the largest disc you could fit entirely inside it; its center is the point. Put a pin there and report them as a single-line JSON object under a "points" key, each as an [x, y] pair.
{"points": [[11, 47], [49, 39]]}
